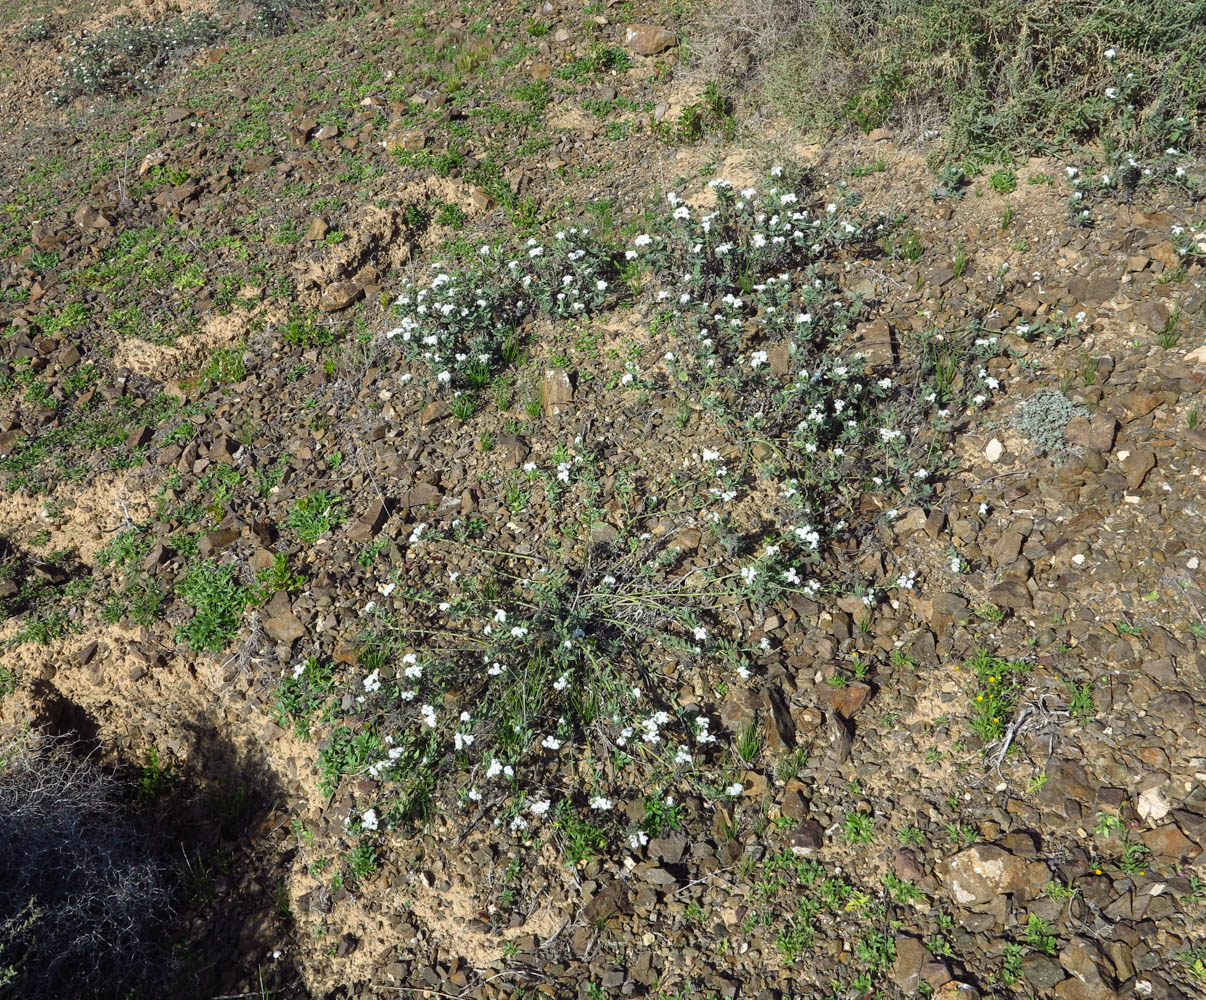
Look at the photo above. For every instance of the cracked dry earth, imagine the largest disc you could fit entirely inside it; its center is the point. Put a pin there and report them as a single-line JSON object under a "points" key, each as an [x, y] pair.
{"points": [[871, 841]]}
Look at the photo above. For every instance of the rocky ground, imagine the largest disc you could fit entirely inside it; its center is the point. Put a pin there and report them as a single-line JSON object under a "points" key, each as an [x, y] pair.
{"points": [[596, 675]]}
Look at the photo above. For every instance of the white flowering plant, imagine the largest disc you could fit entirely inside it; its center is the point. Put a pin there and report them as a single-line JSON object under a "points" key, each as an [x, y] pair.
{"points": [[464, 324]]}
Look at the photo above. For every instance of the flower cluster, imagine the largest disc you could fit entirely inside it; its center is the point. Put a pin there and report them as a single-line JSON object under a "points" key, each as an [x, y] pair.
{"points": [[464, 323]]}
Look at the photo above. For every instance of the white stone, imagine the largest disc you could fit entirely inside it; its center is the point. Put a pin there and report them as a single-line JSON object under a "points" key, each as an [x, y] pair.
{"points": [[1153, 805]]}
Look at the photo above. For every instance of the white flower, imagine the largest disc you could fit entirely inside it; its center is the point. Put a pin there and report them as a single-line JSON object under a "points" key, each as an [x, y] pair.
{"points": [[601, 804], [643, 240], [373, 681], [428, 714], [551, 743], [735, 789], [700, 633], [638, 839], [538, 807], [1111, 93], [561, 683], [748, 574], [758, 358], [1110, 53], [369, 820], [494, 770]]}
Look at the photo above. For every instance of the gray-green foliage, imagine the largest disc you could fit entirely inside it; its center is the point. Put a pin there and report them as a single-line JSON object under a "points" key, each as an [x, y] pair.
{"points": [[126, 56], [1043, 417]]}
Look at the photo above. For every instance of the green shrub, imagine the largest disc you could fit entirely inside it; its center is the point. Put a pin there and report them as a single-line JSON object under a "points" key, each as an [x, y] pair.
{"points": [[218, 601], [1010, 76]]}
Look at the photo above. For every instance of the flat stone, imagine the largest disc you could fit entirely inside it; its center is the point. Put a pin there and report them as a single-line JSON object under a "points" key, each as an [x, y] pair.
{"points": [[981, 873], [421, 495], [557, 391], [1137, 465], [1169, 843], [1096, 432], [808, 836], [669, 849], [911, 955], [372, 522], [648, 39], [339, 295], [215, 541], [847, 699], [280, 622], [437, 410]]}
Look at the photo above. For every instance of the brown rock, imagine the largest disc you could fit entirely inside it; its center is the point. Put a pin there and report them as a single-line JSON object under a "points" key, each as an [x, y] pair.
{"points": [[318, 230], [808, 836], [911, 955], [541, 70], [1096, 433], [1011, 595], [158, 555], [794, 805], [1140, 404], [846, 700], [481, 199], [648, 39], [780, 733], [421, 495], [139, 436], [906, 866], [1169, 843], [512, 449], [610, 900], [87, 217], [215, 541], [1137, 465], [372, 522], [557, 392], [339, 295], [400, 138], [434, 411], [257, 164], [281, 623]]}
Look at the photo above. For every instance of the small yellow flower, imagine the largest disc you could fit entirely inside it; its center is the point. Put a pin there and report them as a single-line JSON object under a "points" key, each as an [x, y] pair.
{"points": [[1143, 873], [995, 719], [979, 697], [1096, 871]]}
